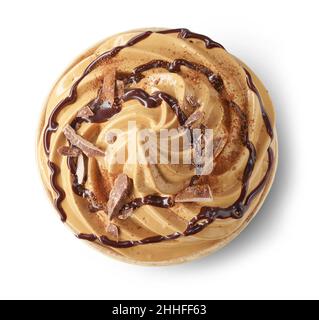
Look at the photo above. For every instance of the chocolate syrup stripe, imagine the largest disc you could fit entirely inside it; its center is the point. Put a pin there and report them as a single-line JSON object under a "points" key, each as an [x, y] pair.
{"points": [[175, 66], [207, 214], [186, 34], [253, 88], [154, 100], [59, 192], [155, 201]]}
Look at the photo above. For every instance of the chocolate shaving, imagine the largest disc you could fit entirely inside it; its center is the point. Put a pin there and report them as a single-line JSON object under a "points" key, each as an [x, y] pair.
{"points": [[113, 230], [108, 91], [194, 119], [87, 147], [69, 151], [120, 191], [197, 193], [85, 113]]}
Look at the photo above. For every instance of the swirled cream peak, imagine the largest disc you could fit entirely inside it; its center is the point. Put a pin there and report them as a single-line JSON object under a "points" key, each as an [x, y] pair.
{"points": [[172, 80]]}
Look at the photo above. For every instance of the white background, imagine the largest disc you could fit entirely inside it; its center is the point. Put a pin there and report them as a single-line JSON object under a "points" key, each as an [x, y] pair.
{"points": [[276, 256]]}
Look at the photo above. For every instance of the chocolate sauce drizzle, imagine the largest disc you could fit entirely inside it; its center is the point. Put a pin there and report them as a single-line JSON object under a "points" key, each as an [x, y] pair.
{"points": [[207, 215], [154, 100], [103, 111], [253, 88], [184, 33], [175, 66], [59, 192], [155, 201]]}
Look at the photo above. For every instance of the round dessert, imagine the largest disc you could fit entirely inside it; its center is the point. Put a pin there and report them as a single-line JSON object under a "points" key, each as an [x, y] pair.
{"points": [[127, 192]]}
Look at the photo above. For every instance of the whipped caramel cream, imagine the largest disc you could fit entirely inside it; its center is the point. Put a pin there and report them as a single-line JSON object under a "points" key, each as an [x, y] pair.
{"points": [[158, 79]]}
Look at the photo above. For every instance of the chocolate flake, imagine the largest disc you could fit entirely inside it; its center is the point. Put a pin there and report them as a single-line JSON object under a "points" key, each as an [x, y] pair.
{"points": [[120, 191], [69, 151], [85, 113], [113, 230], [196, 193], [87, 147]]}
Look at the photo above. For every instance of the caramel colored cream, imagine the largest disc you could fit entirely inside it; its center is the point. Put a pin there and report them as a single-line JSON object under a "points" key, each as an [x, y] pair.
{"points": [[230, 109]]}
